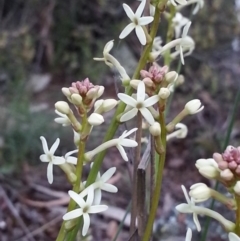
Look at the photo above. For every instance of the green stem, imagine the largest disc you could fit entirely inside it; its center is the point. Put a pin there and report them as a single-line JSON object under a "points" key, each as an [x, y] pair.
{"points": [[237, 230], [157, 192]]}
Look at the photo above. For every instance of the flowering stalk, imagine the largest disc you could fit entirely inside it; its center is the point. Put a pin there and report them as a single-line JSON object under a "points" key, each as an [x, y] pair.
{"points": [[157, 191], [128, 90]]}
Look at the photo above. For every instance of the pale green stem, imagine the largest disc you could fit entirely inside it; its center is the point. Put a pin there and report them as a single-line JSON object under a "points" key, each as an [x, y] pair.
{"points": [[170, 127]]}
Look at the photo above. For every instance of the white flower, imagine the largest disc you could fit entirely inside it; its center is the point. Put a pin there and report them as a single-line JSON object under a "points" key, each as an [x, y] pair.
{"points": [[233, 237], [199, 5], [101, 184], [122, 141], [137, 22], [106, 50], [186, 43], [189, 208], [138, 105], [181, 2], [178, 22], [157, 44], [85, 209], [118, 142], [180, 133], [95, 119], [193, 107], [49, 157], [200, 192], [63, 120]]}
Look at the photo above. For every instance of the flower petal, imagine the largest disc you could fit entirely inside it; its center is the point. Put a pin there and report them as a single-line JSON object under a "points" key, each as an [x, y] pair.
{"points": [[73, 214], [147, 115], [151, 101], [184, 208], [54, 146], [129, 12], [109, 188], [141, 35], [77, 198], [97, 196], [185, 29], [122, 152], [108, 46], [195, 219], [50, 172], [141, 92], [44, 145], [86, 223], [90, 196], [233, 237], [185, 194], [129, 115], [44, 158], [140, 9], [188, 235], [128, 133], [108, 174], [127, 30], [70, 153], [127, 99], [128, 143], [58, 160], [72, 160], [97, 208], [181, 54], [145, 20]]}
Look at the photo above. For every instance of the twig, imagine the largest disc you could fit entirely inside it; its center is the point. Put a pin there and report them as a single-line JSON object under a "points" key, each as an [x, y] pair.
{"points": [[16, 215]]}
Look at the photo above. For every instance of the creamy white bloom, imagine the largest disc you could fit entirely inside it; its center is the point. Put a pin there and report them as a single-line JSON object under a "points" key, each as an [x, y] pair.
{"points": [[139, 104], [118, 142], [200, 192], [179, 21], [208, 168], [106, 50], [180, 133], [49, 157], [100, 185], [190, 207], [123, 141], [193, 107], [85, 208], [164, 93], [62, 107], [63, 119], [233, 237], [95, 119], [137, 22]]}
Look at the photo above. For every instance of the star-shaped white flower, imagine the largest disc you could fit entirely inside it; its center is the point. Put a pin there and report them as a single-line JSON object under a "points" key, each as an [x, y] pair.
{"points": [[139, 104], [189, 208], [123, 141], [186, 43], [178, 22], [71, 159], [85, 208], [100, 185], [137, 22], [49, 157]]}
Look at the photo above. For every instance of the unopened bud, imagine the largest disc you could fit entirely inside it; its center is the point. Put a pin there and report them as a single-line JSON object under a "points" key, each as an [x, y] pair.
{"points": [[62, 107], [109, 104], [100, 91], [164, 93], [193, 107], [92, 93], [237, 188], [76, 137], [200, 192], [209, 172], [98, 105], [66, 92], [148, 82], [155, 129], [180, 80], [134, 83], [76, 99], [171, 76], [206, 162], [95, 119], [227, 175]]}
